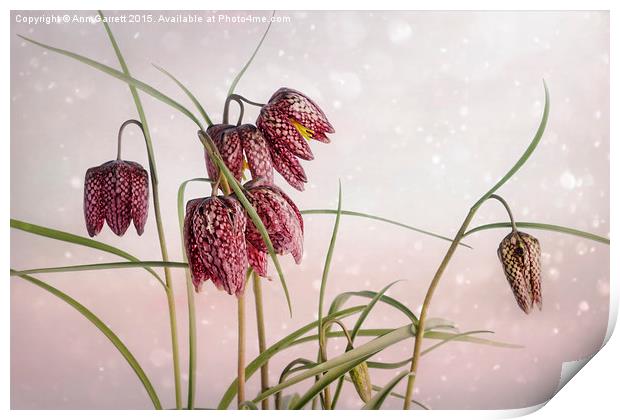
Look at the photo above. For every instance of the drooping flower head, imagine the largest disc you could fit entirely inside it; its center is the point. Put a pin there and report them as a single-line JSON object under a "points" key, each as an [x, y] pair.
{"points": [[282, 220], [117, 192], [240, 147], [214, 243], [288, 121], [519, 254]]}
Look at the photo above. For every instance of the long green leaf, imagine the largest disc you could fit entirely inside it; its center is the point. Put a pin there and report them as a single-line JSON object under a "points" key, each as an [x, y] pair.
{"points": [[148, 89], [189, 94], [232, 182], [380, 219], [282, 344], [330, 376], [526, 154], [235, 81], [377, 400], [393, 394], [78, 240], [191, 305], [105, 330], [102, 266], [542, 226], [358, 324], [328, 258], [339, 301]]}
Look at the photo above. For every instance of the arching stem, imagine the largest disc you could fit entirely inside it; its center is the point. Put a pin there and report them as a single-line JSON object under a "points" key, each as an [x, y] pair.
{"points": [[120, 134], [507, 207]]}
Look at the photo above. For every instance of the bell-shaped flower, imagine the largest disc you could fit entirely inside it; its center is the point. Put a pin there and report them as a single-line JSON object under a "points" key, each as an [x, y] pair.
{"points": [[288, 121], [519, 254], [117, 192], [282, 220], [241, 147], [213, 233]]}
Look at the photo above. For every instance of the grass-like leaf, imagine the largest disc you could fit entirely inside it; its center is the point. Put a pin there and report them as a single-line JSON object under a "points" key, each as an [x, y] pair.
{"points": [[380, 219], [78, 240], [393, 394], [189, 94], [340, 300], [122, 348], [232, 182], [235, 81], [358, 324], [377, 400], [102, 266], [526, 154], [282, 344], [191, 304], [541, 226], [146, 88]]}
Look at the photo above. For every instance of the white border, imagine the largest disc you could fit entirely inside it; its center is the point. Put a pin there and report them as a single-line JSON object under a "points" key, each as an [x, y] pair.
{"points": [[593, 394]]}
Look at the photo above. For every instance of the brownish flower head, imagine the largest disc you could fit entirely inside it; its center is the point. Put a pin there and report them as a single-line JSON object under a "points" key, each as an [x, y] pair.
{"points": [[287, 121], [117, 192], [520, 257], [233, 142], [214, 243], [282, 220]]}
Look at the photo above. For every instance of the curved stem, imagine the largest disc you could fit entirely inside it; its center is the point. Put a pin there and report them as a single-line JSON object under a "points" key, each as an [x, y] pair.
{"points": [[120, 134], [419, 334], [158, 218], [260, 329], [507, 207], [247, 101], [227, 109]]}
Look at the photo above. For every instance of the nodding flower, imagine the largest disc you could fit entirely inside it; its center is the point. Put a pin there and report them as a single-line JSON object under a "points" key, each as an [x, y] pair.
{"points": [[519, 254], [213, 233], [288, 121], [282, 220], [116, 192]]}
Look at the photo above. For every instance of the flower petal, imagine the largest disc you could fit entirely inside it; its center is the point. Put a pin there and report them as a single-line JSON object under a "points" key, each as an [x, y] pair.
{"points": [[94, 200], [304, 110], [257, 259], [198, 270], [257, 152], [277, 128], [139, 196], [515, 261], [117, 187], [226, 139]]}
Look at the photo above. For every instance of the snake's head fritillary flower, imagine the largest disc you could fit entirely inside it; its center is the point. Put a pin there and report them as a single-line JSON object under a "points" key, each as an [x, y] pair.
{"points": [[213, 233], [519, 254], [361, 381], [288, 121], [282, 220], [116, 192], [241, 147]]}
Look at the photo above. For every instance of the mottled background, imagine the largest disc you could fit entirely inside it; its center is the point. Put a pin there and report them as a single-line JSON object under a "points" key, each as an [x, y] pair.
{"points": [[430, 109]]}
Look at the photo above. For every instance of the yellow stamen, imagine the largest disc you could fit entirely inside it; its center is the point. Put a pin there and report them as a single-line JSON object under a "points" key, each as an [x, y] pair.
{"points": [[306, 133], [243, 168]]}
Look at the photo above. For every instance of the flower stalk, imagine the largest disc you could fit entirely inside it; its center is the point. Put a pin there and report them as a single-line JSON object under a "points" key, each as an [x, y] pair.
{"points": [[260, 329]]}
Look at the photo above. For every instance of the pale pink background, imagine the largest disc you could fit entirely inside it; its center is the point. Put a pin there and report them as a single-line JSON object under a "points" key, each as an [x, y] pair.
{"points": [[430, 109]]}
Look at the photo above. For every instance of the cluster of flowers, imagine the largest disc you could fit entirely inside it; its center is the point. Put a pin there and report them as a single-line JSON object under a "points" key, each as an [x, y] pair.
{"points": [[221, 242]]}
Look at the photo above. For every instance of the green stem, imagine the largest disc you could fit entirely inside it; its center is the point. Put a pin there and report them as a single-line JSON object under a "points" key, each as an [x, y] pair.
{"points": [[158, 218], [241, 350], [260, 329], [417, 348], [507, 207]]}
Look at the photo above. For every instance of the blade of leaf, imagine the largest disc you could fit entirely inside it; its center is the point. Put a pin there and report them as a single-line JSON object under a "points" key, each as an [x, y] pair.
{"points": [[207, 142], [282, 344], [235, 81], [343, 297], [189, 94], [526, 154], [380, 219], [121, 76], [120, 346], [191, 304], [78, 240], [542, 226], [358, 324], [377, 400], [102, 266], [394, 394]]}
